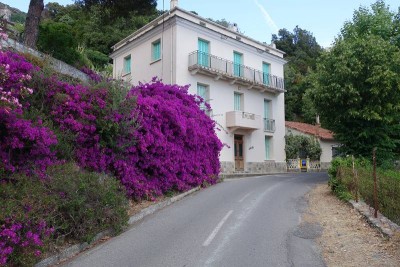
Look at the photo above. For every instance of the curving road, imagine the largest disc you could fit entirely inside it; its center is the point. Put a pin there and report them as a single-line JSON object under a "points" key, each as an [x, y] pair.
{"points": [[240, 222]]}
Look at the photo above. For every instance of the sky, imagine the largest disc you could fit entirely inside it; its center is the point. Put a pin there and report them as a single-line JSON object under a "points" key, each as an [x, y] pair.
{"points": [[259, 19]]}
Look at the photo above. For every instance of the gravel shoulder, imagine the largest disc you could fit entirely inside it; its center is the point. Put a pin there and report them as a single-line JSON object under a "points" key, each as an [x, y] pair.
{"points": [[347, 239]]}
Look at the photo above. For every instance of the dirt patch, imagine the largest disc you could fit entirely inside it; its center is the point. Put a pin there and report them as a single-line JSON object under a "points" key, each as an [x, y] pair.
{"points": [[347, 239], [136, 207]]}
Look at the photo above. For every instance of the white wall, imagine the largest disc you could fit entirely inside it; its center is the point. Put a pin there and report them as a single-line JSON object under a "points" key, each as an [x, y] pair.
{"points": [[326, 145], [179, 39]]}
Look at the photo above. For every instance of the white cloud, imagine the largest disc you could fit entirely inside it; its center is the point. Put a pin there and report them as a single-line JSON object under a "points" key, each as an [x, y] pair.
{"points": [[268, 19]]}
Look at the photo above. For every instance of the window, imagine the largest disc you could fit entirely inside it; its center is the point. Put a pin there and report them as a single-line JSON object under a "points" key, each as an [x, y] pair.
{"points": [[267, 109], [127, 64], [266, 73], [237, 64], [267, 147], [203, 56], [156, 50], [202, 91], [335, 152], [269, 124], [238, 98]]}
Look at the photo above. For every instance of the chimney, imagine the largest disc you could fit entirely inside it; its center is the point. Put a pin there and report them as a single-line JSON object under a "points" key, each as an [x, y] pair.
{"points": [[174, 3], [318, 126]]}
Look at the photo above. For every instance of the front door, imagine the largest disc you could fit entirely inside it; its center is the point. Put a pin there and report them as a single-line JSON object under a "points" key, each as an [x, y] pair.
{"points": [[239, 157]]}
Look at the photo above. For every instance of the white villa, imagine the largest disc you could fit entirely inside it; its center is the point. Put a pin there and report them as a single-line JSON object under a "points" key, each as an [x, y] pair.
{"points": [[241, 78]]}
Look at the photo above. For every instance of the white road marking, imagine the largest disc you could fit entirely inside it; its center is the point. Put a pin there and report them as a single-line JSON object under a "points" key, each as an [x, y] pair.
{"points": [[216, 229], [243, 198]]}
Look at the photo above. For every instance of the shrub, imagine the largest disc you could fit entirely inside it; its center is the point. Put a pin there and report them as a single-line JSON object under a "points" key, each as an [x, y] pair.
{"points": [[87, 202], [25, 145], [25, 210], [58, 40], [342, 182], [177, 147], [72, 204], [299, 144]]}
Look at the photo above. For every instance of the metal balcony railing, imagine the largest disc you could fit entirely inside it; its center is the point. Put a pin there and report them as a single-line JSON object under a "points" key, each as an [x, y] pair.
{"points": [[269, 125], [220, 66]]}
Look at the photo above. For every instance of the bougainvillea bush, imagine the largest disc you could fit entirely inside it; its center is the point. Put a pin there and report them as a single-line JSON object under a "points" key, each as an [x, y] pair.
{"points": [[176, 145], [153, 138], [25, 146]]}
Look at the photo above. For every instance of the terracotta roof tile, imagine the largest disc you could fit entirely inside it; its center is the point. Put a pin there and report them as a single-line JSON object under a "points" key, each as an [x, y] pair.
{"points": [[310, 129]]}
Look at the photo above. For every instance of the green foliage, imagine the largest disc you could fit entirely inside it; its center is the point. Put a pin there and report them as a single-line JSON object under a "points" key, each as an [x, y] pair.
{"points": [[25, 201], [120, 8], [356, 84], [302, 51], [98, 59], [88, 202], [299, 145], [18, 17], [345, 185], [58, 39]]}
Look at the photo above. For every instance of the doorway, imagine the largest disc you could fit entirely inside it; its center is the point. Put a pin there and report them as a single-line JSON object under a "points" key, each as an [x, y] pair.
{"points": [[239, 157]]}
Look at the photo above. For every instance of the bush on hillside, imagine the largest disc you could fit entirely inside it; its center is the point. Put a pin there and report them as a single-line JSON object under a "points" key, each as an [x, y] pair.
{"points": [[25, 145], [177, 147], [72, 204]]}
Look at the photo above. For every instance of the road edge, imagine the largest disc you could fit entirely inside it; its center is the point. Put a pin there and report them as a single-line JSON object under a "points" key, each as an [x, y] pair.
{"points": [[77, 248]]}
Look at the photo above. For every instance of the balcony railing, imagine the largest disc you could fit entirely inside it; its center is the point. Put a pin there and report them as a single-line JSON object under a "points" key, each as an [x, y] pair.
{"points": [[235, 72], [269, 125], [243, 120]]}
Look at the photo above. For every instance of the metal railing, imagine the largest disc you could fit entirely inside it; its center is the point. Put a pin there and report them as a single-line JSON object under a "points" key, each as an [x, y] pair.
{"points": [[229, 68], [269, 125]]}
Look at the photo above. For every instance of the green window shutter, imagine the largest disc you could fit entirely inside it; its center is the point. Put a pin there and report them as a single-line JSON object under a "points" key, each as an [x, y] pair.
{"points": [[237, 64], [203, 56], [202, 92], [127, 64], [156, 50], [267, 147], [266, 108], [237, 102], [266, 73]]}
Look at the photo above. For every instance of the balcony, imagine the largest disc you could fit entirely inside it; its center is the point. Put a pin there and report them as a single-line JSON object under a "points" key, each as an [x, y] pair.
{"points": [[243, 120], [220, 68], [269, 125]]}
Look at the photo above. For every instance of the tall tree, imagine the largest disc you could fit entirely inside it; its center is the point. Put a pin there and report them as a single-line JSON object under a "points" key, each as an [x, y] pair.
{"points": [[121, 8], [32, 22], [357, 83], [302, 51]]}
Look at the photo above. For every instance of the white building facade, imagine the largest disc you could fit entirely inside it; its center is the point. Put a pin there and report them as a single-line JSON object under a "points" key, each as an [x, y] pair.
{"points": [[240, 78]]}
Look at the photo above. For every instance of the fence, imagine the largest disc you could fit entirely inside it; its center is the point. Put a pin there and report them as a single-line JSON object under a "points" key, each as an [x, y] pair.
{"points": [[308, 165], [360, 183]]}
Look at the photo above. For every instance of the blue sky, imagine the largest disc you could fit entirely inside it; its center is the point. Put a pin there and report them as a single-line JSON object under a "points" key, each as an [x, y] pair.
{"points": [[261, 18]]}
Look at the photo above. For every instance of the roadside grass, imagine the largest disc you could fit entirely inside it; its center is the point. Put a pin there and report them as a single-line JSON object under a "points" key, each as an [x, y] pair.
{"points": [[345, 184]]}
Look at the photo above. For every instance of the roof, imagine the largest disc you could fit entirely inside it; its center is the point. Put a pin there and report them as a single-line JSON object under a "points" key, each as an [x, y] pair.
{"points": [[176, 11], [306, 128]]}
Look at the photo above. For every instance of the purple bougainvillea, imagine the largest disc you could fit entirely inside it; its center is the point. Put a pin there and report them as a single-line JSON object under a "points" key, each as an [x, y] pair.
{"points": [[155, 138], [24, 145], [176, 147]]}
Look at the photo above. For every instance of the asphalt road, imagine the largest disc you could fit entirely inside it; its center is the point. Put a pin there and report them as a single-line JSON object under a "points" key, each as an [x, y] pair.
{"points": [[240, 222]]}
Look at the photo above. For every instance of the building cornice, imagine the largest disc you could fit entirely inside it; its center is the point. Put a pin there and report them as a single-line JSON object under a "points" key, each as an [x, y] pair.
{"points": [[178, 12]]}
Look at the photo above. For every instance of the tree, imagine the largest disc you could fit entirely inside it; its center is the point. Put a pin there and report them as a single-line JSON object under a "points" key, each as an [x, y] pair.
{"points": [[302, 146], [356, 87], [121, 8], [32, 22], [302, 51], [58, 40]]}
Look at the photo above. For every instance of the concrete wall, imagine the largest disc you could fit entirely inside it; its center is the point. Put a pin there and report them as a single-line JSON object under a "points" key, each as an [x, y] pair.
{"points": [[58, 65]]}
